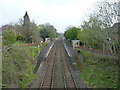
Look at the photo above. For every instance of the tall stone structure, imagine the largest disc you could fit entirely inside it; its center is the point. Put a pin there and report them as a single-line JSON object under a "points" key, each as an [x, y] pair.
{"points": [[27, 33], [26, 19]]}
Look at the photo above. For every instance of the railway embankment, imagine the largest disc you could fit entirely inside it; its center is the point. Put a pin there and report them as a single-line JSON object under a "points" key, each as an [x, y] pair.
{"points": [[98, 70]]}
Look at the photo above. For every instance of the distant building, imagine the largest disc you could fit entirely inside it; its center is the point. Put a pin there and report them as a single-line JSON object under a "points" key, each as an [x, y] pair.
{"points": [[75, 43], [47, 40], [26, 19], [6, 27]]}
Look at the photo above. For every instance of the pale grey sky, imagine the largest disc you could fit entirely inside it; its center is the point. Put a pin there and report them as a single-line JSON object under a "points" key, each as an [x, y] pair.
{"points": [[60, 13]]}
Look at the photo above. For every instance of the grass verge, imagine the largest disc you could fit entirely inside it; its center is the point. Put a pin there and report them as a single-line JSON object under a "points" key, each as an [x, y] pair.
{"points": [[18, 64], [99, 71], [32, 51]]}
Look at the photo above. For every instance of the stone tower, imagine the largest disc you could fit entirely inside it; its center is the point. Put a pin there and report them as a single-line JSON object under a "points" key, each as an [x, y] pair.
{"points": [[26, 18]]}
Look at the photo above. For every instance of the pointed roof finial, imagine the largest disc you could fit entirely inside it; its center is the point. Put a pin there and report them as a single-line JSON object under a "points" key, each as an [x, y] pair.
{"points": [[26, 18], [26, 13]]}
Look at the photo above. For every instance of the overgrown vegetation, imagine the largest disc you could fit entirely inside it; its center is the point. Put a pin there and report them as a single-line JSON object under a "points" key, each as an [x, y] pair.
{"points": [[101, 32], [9, 37], [18, 62], [99, 71], [48, 31], [18, 65], [71, 33]]}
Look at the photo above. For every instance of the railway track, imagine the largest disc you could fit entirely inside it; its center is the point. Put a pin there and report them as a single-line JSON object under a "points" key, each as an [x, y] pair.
{"points": [[46, 83], [58, 78], [57, 70], [69, 78]]}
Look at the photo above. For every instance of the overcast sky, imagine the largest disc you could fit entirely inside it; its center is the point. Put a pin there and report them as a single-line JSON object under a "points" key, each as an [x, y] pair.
{"points": [[60, 13]]}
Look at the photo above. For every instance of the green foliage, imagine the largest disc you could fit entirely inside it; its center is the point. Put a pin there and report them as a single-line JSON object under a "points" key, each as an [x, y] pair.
{"points": [[17, 67], [92, 34], [99, 71], [17, 62], [92, 38], [71, 33], [84, 36], [19, 38], [44, 44], [28, 77], [48, 31], [36, 36], [44, 34], [28, 32], [9, 37], [13, 62], [32, 51], [19, 42]]}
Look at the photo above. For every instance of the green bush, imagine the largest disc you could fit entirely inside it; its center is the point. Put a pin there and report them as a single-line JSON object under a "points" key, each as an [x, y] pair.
{"points": [[99, 71], [71, 33], [17, 68], [9, 37], [43, 44], [19, 38]]}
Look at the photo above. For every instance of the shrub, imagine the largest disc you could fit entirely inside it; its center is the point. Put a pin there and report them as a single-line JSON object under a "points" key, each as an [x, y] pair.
{"points": [[9, 37]]}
